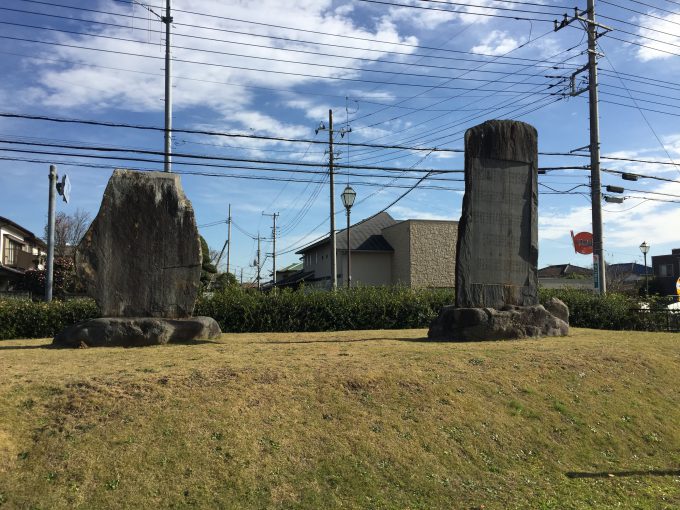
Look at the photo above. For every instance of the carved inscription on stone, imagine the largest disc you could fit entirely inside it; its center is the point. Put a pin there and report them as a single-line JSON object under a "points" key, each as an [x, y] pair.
{"points": [[498, 234], [497, 196]]}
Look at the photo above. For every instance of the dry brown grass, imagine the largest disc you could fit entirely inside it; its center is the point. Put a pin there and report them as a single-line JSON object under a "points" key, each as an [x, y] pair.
{"points": [[370, 419]]}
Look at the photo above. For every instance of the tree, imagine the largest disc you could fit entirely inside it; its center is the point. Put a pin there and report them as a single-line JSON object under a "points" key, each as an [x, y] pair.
{"points": [[64, 281], [208, 269], [224, 281], [68, 231]]}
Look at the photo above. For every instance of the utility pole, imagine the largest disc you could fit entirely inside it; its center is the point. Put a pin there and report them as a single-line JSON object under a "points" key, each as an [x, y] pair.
{"points": [[167, 19], [228, 238], [50, 233], [334, 261], [241, 276], [331, 172], [258, 261], [596, 194], [591, 26], [274, 216]]}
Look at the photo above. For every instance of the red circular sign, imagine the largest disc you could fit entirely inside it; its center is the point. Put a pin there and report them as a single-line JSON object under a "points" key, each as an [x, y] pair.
{"points": [[583, 243]]}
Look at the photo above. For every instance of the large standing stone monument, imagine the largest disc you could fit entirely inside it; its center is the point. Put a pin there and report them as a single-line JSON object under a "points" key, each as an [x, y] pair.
{"points": [[497, 250], [141, 261]]}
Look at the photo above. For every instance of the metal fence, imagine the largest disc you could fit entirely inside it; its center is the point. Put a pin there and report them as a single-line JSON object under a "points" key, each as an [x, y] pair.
{"points": [[657, 319], [15, 294]]}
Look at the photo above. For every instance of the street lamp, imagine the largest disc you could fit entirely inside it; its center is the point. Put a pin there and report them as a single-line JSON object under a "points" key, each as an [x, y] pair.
{"points": [[348, 196], [644, 248]]}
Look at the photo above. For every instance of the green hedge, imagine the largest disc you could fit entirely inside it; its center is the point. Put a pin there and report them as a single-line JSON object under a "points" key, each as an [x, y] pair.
{"points": [[28, 319], [612, 311], [237, 310]]}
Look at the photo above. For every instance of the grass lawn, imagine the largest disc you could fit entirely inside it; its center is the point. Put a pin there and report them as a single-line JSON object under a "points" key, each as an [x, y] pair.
{"points": [[367, 419]]}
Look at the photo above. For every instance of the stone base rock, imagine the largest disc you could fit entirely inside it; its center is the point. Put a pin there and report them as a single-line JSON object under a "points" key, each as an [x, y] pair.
{"points": [[509, 323], [137, 332]]}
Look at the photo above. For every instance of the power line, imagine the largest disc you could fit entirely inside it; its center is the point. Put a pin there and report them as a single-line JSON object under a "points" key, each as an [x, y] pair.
{"points": [[204, 132], [214, 174], [217, 133], [295, 41], [217, 158], [174, 46], [467, 13]]}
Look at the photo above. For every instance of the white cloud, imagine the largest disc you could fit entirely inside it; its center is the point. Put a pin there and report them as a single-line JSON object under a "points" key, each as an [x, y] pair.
{"points": [[408, 213], [665, 33], [70, 86], [498, 42], [438, 14]]}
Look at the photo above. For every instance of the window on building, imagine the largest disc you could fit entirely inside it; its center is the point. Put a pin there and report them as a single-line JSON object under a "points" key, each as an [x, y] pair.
{"points": [[666, 270], [12, 249]]}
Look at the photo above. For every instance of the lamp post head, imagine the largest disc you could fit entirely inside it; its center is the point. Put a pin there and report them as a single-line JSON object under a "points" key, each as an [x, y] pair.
{"points": [[644, 247], [348, 195]]}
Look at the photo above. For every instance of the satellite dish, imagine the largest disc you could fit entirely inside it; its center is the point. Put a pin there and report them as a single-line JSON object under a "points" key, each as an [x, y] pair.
{"points": [[64, 188]]}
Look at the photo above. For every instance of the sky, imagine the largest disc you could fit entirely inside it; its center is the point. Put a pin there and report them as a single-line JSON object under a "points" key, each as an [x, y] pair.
{"points": [[410, 74]]}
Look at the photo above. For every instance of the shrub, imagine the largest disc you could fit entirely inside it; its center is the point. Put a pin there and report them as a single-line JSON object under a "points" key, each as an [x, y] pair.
{"points": [[63, 279], [238, 310], [611, 311], [27, 319]]}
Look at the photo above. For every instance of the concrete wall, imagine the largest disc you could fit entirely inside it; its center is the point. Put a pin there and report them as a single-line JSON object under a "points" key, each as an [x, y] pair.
{"points": [[433, 253], [399, 237], [319, 261], [368, 268]]}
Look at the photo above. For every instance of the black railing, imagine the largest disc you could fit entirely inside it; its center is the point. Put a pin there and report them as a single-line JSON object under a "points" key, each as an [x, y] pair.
{"points": [[656, 319]]}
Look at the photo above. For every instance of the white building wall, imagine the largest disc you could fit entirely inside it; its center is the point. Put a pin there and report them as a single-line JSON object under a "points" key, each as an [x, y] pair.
{"points": [[368, 268]]}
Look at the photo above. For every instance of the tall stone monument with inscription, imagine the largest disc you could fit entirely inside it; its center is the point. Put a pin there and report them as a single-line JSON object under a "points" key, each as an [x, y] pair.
{"points": [[141, 261], [497, 250]]}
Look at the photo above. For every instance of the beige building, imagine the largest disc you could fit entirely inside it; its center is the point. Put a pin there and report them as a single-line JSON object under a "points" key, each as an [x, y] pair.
{"points": [[384, 251], [20, 250]]}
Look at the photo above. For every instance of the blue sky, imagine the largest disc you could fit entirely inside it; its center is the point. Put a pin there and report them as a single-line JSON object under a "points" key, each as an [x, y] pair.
{"points": [[396, 75]]}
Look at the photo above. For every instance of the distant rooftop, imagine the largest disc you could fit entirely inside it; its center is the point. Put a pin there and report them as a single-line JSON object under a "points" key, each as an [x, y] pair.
{"points": [[563, 270], [364, 236]]}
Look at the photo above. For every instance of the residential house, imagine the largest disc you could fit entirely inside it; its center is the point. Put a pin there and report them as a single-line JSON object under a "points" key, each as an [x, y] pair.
{"points": [[384, 251], [627, 276], [288, 271], [666, 270], [20, 250], [565, 275]]}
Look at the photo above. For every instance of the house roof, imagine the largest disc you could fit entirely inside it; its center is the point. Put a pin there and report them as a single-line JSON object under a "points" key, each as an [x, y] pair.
{"points": [[629, 268], [30, 236], [296, 266], [563, 270], [364, 236], [295, 278]]}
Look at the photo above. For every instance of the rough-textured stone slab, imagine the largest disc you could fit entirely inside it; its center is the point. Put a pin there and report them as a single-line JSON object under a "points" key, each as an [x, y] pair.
{"points": [[497, 248], [141, 257], [510, 323], [137, 332]]}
